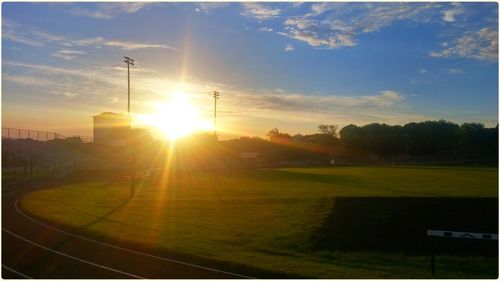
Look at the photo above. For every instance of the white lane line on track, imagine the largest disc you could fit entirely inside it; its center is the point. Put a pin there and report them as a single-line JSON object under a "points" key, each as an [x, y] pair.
{"points": [[72, 257], [16, 272], [125, 249]]}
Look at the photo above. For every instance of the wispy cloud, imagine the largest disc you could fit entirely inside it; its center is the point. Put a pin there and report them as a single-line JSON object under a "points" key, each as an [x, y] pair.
{"points": [[67, 54], [386, 14], [26, 80], [147, 80], [266, 29], [104, 88], [124, 45], [61, 71], [333, 32], [20, 38], [34, 37], [479, 45], [259, 11], [89, 86], [11, 30], [449, 15], [107, 10], [334, 25], [319, 8], [319, 34], [67, 94], [207, 7], [286, 102], [454, 71]]}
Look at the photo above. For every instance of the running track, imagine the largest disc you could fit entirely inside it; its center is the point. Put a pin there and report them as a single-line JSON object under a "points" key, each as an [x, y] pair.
{"points": [[33, 249]]}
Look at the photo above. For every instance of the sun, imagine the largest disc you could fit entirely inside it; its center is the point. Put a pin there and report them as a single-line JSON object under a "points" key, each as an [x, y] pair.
{"points": [[176, 118]]}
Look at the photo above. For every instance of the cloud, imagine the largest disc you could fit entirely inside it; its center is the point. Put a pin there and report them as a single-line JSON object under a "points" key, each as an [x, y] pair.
{"points": [[479, 45], [98, 80], [11, 30], [289, 48], [124, 45], [104, 88], [52, 70], [334, 25], [107, 10], [454, 70], [70, 94], [89, 86], [385, 14], [267, 29], [48, 37], [296, 4], [319, 8], [322, 27], [259, 11], [450, 14], [34, 37], [297, 102], [207, 7], [67, 54], [26, 80], [67, 94], [19, 38], [317, 34]]}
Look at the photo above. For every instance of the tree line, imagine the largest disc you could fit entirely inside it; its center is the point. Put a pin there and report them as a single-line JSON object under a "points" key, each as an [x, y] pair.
{"points": [[435, 138]]}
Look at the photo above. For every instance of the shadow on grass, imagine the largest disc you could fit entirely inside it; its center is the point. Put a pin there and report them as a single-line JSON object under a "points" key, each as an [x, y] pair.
{"points": [[153, 250], [108, 213], [400, 224]]}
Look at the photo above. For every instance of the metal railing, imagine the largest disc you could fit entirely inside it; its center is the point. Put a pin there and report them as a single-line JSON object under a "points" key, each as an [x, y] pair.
{"points": [[42, 136]]}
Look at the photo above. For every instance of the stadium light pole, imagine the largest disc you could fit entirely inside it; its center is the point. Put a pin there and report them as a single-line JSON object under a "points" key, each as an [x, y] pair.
{"points": [[129, 62], [216, 96]]}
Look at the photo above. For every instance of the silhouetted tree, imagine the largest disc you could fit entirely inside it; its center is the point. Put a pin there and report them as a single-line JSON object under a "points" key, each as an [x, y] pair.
{"points": [[429, 137], [330, 130], [276, 136]]}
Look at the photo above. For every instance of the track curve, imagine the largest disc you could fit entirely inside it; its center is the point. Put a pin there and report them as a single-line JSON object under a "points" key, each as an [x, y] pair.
{"points": [[34, 249]]}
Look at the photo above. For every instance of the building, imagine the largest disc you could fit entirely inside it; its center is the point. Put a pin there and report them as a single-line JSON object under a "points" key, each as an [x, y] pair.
{"points": [[111, 128]]}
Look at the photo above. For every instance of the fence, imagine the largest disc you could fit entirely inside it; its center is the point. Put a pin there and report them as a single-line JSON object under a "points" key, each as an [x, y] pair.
{"points": [[37, 151], [42, 136]]}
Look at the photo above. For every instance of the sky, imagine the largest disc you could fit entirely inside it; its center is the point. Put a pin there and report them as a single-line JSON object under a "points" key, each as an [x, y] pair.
{"points": [[291, 65]]}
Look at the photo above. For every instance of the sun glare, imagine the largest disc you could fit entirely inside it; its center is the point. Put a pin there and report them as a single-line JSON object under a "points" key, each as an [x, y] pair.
{"points": [[176, 118]]}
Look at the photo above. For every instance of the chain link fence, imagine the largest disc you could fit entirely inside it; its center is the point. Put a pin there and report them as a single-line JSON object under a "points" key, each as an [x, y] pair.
{"points": [[43, 136], [28, 152]]}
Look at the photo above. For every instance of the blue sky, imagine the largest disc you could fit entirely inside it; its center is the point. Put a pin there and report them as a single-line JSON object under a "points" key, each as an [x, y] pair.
{"points": [[286, 65]]}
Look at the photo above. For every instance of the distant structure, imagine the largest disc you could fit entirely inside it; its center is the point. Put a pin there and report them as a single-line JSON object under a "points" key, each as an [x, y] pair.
{"points": [[112, 128]]}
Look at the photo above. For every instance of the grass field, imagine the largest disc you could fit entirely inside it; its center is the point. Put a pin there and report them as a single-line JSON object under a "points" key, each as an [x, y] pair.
{"points": [[267, 219]]}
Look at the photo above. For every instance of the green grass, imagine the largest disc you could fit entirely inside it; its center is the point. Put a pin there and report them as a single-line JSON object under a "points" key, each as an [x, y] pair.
{"points": [[265, 218]]}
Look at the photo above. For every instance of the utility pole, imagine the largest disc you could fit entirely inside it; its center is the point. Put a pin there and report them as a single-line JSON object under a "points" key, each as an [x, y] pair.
{"points": [[129, 62], [216, 97]]}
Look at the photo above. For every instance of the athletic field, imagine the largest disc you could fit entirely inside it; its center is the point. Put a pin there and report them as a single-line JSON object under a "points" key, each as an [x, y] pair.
{"points": [[339, 222]]}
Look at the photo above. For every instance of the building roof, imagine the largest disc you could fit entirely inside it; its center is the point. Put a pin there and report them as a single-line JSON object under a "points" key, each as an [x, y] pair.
{"points": [[111, 115]]}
